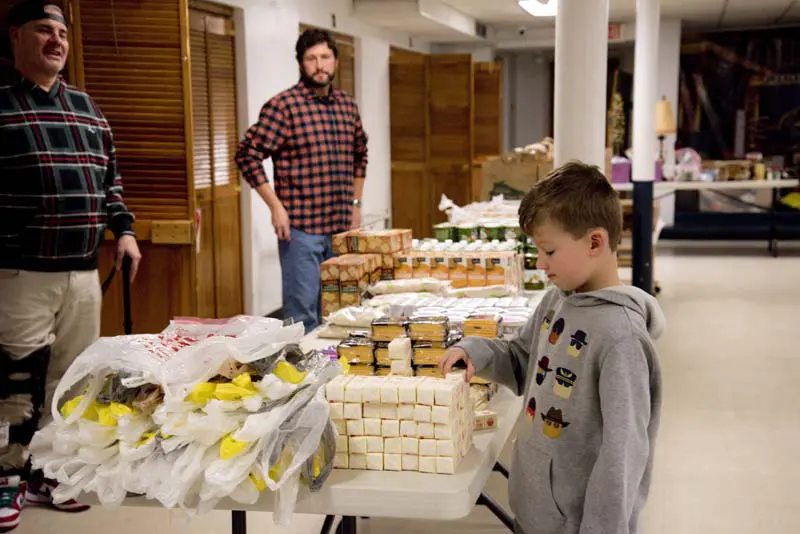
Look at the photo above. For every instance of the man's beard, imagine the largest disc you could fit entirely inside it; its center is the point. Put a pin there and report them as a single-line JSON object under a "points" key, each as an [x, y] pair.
{"points": [[311, 82]]}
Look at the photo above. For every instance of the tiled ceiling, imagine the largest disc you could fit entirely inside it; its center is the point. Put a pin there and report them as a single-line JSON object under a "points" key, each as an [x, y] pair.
{"points": [[694, 13]]}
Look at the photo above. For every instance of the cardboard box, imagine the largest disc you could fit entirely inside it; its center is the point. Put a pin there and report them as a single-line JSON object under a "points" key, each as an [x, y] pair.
{"points": [[514, 173], [476, 270], [420, 265], [372, 241], [458, 270], [403, 266], [387, 267]]}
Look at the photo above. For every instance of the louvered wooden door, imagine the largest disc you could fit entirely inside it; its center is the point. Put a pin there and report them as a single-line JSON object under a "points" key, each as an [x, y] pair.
{"points": [[129, 58], [408, 105], [487, 118], [216, 177], [450, 109]]}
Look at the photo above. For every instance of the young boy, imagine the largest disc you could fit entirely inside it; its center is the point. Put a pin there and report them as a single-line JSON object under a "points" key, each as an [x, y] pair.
{"points": [[586, 365]]}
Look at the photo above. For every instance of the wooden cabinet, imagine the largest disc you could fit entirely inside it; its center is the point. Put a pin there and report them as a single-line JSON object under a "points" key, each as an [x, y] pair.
{"points": [[445, 111]]}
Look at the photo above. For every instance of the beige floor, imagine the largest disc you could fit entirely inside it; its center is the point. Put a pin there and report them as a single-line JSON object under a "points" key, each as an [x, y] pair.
{"points": [[727, 459]]}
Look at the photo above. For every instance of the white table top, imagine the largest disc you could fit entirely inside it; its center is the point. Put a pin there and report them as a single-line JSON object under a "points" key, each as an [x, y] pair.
{"points": [[664, 187], [395, 494], [398, 494]]}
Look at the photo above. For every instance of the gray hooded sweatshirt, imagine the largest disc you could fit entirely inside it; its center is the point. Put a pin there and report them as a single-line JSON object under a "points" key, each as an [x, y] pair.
{"points": [[589, 372]]}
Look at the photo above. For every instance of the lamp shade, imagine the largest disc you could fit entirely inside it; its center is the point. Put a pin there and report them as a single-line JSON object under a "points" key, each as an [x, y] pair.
{"points": [[665, 120]]}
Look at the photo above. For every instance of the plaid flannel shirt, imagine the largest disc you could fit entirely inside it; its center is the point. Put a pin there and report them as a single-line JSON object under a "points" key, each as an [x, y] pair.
{"points": [[318, 147], [59, 186]]}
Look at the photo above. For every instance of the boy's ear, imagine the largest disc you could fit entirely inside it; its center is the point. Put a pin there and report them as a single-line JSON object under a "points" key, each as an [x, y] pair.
{"points": [[598, 241]]}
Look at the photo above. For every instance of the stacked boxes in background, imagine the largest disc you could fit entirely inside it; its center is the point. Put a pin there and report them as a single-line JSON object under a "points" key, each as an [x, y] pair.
{"points": [[364, 258], [463, 268], [344, 279], [401, 423]]}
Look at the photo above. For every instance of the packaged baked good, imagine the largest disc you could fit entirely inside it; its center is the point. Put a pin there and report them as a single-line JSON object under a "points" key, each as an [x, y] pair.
{"points": [[356, 351], [386, 329], [429, 328], [486, 325], [382, 354]]}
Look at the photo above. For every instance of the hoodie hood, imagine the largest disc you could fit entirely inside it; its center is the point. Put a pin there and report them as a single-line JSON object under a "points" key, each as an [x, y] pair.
{"points": [[630, 297]]}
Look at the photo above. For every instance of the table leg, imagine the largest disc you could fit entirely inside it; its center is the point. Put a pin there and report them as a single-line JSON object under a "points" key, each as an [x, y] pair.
{"points": [[238, 522], [347, 525], [772, 246], [497, 510], [500, 468], [327, 524], [643, 235]]}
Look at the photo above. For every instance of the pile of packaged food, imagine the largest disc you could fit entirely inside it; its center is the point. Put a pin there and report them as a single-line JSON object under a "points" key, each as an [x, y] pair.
{"points": [[205, 410]]}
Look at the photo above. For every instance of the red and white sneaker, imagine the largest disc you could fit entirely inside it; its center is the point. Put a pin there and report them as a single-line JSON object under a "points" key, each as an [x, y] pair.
{"points": [[12, 500], [41, 494]]}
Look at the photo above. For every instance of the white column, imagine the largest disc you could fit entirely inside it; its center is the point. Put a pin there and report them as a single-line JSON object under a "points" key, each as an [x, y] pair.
{"points": [[580, 81], [645, 92]]}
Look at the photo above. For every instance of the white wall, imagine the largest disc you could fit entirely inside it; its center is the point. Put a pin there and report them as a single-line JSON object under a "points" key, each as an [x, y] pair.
{"points": [[266, 34]]}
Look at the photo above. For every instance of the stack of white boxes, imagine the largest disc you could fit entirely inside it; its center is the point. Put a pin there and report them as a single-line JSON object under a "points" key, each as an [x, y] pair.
{"points": [[399, 423], [400, 356]]}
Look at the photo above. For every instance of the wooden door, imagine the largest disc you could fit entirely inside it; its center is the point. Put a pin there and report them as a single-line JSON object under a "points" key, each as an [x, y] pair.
{"points": [[488, 118], [129, 59], [450, 110], [219, 255], [408, 109]]}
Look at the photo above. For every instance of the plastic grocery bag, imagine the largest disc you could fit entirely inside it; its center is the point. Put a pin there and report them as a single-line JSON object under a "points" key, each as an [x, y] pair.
{"points": [[203, 411]]}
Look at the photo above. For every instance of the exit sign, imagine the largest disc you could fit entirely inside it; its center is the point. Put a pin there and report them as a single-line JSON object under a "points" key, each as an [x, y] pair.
{"points": [[614, 32]]}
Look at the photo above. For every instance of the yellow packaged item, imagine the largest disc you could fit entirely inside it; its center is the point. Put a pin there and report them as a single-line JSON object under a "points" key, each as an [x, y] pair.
{"points": [[289, 373], [202, 393], [429, 329], [231, 448], [386, 329], [258, 481]]}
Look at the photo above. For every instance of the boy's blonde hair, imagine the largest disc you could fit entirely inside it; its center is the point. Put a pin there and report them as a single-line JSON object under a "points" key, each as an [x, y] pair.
{"points": [[576, 196]]}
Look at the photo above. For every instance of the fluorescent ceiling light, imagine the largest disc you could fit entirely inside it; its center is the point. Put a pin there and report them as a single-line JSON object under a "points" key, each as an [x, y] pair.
{"points": [[540, 8]]}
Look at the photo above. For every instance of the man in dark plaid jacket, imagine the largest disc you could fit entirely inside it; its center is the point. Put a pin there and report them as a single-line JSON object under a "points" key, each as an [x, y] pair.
{"points": [[59, 191], [314, 135]]}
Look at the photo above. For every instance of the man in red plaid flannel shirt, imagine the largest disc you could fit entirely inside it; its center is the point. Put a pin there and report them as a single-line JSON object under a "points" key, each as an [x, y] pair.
{"points": [[318, 146]]}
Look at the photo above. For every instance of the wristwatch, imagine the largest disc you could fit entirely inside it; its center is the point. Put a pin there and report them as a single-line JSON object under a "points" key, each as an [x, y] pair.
{"points": [[356, 203]]}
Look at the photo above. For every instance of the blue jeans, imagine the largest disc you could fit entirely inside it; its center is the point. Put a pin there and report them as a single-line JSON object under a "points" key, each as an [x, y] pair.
{"points": [[300, 261]]}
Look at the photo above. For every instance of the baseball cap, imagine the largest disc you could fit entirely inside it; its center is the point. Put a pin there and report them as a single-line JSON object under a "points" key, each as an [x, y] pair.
{"points": [[29, 10]]}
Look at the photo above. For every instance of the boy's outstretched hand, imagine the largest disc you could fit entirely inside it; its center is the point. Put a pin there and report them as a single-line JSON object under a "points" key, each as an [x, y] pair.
{"points": [[454, 356]]}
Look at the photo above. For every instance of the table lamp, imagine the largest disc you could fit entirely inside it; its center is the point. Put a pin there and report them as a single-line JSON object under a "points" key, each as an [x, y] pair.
{"points": [[665, 123]]}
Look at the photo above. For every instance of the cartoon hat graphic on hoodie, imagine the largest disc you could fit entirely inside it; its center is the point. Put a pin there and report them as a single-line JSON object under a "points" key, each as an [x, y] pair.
{"points": [[548, 320], [531, 409], [542, 369], [556, 331], [576, 343], [553, 423]]}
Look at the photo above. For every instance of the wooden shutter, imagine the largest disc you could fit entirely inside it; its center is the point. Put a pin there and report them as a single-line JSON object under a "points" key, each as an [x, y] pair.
{"points": [[488, 109], [488, 119], [346, 75], [216, 177], [408, 108], [131, 58], [450, 109], [132, 67]]}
